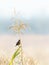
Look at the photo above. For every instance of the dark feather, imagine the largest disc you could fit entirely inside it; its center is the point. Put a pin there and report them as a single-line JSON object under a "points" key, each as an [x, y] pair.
{"points": [[18, 43]]}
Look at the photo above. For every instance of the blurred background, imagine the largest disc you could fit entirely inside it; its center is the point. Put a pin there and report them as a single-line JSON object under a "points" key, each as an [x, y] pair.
{"points": [[35, 42]]}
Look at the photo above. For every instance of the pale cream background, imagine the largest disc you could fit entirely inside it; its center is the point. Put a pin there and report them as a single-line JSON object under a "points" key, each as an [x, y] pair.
{"points": [[36, 46]]}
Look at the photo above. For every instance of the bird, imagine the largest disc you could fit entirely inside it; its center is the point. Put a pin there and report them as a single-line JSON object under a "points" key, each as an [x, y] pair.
{"points": [[18, 43]]}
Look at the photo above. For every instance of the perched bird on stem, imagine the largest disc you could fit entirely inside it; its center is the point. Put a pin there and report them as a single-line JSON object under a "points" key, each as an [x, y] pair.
{"points": [[18, 43]]}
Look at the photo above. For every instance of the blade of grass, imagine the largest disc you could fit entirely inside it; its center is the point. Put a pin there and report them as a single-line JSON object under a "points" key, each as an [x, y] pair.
{"points": [[16, 53]]}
